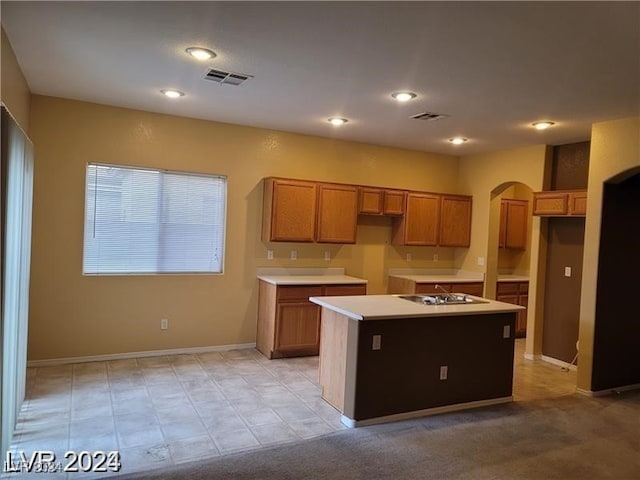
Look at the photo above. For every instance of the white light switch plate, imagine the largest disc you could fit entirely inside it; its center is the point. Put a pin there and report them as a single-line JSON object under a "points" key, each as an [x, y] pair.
{"points": [[269, 254], [327, 255], [294, 255], [408, 257], [506, 331], [480, 261], [567, 271], [444, 372], [376, 344]]}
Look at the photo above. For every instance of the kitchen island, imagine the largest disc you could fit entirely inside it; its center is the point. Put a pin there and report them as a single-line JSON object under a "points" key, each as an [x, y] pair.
{"points": [[385, 358]]}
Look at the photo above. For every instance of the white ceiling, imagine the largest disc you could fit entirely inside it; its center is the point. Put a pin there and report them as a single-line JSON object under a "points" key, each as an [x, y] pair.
{"points": [[493, 67]]}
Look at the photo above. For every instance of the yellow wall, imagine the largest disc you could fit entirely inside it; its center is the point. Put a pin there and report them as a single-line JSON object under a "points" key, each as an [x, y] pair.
{"points": [[14, 90], [482, 174], [615, 148], [72, 315]]}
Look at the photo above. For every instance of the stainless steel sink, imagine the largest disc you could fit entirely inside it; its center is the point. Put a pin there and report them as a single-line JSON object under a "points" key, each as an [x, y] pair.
{"points": [[438, 299]]}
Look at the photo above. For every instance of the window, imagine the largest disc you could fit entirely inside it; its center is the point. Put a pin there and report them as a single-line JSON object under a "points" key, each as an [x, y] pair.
{"points": [[153, 221]]}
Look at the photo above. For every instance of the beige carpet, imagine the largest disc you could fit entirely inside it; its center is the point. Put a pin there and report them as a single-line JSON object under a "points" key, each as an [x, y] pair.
{"points": [[572, 437]]}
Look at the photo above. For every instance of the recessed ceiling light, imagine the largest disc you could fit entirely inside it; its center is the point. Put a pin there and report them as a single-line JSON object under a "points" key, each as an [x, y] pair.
{"points": [[457, 140], [171, 93], [403, 96], [542, 125], [201, 53], [337, 121]]}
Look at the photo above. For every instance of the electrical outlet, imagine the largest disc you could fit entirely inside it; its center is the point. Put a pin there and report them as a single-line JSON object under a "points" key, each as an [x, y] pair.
{"points": [[269, 254], [164, 324], [376, 344], [408, 257], [480, 261], [444, 372], [294, 255], [435, 257], [327, 255], [567, 271], [506, 331]]}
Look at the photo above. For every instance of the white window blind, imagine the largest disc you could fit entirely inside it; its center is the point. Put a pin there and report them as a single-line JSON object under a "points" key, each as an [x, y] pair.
{"points": [[153, 221]]}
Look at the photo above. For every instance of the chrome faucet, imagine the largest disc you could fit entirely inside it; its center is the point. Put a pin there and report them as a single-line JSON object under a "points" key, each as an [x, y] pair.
{"points": [[447, 293]]}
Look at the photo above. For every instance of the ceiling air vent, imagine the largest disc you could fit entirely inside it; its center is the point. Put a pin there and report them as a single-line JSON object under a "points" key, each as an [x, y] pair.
{"points": [[429, 116], [228, 78]]}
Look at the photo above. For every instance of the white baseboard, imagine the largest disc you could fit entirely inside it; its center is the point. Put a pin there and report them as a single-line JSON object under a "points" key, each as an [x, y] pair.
{"points": [[532, 356], [608, 391], [351, 423], [557, 362], [149, 353]]}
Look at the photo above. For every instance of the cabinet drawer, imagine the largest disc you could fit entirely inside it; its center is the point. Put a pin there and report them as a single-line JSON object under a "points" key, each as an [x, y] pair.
{"points": [[342, 290], [476, 289], [294, 292], [507, 288], [431, 287]]}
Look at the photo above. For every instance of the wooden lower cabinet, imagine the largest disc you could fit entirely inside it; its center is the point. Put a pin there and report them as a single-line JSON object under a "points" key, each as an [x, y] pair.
{"points": [[288, 323], [516, 293], [297, 328], [475, 288], [402, 285]]}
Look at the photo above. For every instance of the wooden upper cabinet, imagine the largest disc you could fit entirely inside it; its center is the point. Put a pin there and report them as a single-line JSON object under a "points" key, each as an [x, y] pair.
{"points": [[394, 202], [370, 200], [455, 221], [289, 210], [560, 203], [420, 224], [337, 213], [380, 201], [578, 203], [514, 217]]}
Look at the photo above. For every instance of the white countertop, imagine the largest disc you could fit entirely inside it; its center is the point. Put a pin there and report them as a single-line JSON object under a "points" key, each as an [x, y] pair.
{"points": [[380, 307], [307, 276], [437, 276]]}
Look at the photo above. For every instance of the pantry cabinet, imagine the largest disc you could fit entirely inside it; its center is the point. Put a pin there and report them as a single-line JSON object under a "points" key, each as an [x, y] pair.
{"points": [[288, 323], [514, 217]]}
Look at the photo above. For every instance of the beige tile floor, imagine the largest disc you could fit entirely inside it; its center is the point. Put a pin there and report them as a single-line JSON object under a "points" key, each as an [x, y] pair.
{"points": [[160, 411]]}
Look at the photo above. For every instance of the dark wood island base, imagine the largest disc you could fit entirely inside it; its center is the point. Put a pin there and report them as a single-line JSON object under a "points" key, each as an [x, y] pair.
{"points": [[381, 370]]}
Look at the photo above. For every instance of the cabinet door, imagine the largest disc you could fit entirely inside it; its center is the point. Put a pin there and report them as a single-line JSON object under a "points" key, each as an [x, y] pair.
{"points": [[503, 224], [455, 221], [419, 226], [370, 201], [517, 217], [550, 203], [476, 289], [297, 328], [521, 321], [394, 201], [578, 203], [289, 210], [513, 299], [337, 213]]}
